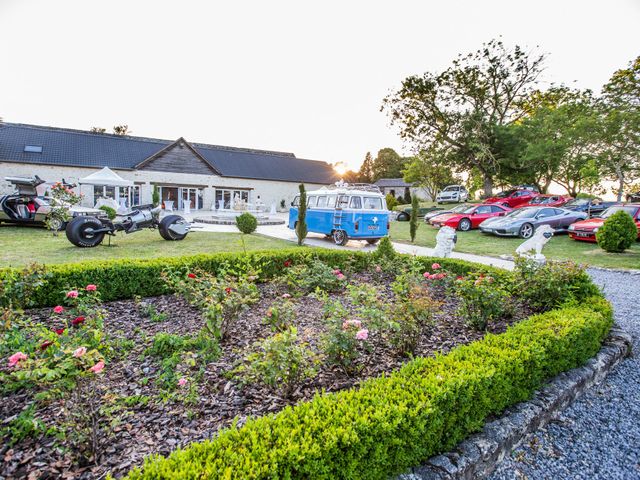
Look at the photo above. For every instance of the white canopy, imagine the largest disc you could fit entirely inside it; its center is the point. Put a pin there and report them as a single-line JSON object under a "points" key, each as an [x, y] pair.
{"points": [[107, 177]]}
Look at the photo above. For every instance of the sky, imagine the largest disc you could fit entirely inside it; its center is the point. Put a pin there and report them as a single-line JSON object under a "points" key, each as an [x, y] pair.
{"points": [[302, 77]]}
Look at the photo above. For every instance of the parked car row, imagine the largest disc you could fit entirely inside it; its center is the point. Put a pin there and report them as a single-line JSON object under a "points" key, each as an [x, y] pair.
{"points": [[522, 222]]}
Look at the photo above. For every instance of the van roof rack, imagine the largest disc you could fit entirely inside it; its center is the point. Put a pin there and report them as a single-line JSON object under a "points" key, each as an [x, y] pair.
{"points": [[367, 187]]}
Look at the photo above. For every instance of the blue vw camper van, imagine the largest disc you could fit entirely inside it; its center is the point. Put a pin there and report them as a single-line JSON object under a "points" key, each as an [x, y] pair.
{"points": [[344, 212]]}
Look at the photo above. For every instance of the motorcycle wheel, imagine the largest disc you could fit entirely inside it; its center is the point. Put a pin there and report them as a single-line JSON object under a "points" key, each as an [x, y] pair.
{"points": [[164, 230], [80, 232]]}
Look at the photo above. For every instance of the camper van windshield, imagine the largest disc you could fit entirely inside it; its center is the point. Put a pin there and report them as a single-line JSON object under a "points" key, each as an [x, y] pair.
{"points": [[296, 201], [373, 203]]}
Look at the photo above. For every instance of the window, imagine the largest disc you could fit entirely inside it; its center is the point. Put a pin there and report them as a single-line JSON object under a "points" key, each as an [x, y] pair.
{"points": [[546, 212], [296, 201], [496, 209], [356, 202], [343, 201], [483, 209], [322, 202], [373, 203], [331, 201], [311, 202], [33, 148]]}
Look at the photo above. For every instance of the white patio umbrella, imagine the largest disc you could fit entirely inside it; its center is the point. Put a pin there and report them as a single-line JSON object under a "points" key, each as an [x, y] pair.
{"points": [[105, 177]]}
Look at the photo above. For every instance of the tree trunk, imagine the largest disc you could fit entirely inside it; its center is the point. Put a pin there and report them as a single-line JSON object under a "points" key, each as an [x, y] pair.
{"points": [[620, 176], [488, 185]]}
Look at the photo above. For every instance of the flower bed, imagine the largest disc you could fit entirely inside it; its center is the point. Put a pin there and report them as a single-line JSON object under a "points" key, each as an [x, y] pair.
{"points": [[178, 368]]}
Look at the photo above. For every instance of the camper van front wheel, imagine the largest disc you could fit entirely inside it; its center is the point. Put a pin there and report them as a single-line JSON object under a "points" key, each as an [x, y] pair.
{"points": [[340, 237]]}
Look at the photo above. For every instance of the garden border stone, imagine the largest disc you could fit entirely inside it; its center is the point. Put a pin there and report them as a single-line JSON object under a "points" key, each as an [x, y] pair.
{"points": [[478, 455]]}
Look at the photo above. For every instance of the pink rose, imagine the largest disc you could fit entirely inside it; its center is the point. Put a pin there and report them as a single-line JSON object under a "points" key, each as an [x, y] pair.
{"points": [[72, 294], [337, 271], [351, 323], [15, 358], [98, 367], [182, 382], [340, 276], [286, 295], [435, 266], [459, 277], [362, 334], [91, 288], [440, 276], [58, 309], [80, 351]]}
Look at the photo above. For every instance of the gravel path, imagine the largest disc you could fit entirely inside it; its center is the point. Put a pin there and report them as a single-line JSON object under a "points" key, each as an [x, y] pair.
{"points": [[598, 436]]}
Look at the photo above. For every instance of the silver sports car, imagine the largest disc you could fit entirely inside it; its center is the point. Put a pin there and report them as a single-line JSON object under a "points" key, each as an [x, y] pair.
{"points": [[524, 221]]}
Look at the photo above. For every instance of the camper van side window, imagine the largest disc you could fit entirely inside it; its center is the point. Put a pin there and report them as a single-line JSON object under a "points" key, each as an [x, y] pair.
{"points": [[331, 201], [312, 201], [343, 201], [373, 203], [296, 201], [356, 203], [322, 202]]}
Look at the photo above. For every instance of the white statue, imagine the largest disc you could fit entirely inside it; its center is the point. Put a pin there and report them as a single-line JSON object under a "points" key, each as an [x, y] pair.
{"points": [[445, 241], [539, 239]]}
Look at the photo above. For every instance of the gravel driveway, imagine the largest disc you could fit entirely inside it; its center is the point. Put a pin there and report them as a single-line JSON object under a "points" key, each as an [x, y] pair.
{"points": [[598, 436]]}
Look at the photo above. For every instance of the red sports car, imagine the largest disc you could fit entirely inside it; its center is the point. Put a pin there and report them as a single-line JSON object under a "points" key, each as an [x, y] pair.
{"points": [[513, 198], [586, 229], [470, 218], [546, 200]]}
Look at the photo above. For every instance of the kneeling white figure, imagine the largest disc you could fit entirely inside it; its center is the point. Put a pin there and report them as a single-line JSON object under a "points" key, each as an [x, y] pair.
{"points": [[445, 241], [536, 243]]}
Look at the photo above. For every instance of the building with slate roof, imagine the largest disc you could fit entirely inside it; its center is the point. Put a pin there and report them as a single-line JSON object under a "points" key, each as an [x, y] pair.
{"points": [[197, 175], [399, 188]]}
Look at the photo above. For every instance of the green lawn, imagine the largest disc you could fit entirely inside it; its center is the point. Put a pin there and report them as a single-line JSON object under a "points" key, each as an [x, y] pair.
{"points": [[560, 246], [21, 245]]}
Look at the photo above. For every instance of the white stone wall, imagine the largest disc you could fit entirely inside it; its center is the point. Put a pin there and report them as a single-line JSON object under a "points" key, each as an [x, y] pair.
{"points": [[270, 192], [419, 191]]}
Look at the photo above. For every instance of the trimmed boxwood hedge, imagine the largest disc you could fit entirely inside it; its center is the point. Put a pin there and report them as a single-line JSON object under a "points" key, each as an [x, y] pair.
{"points": [[121, 279], [397, 421]]}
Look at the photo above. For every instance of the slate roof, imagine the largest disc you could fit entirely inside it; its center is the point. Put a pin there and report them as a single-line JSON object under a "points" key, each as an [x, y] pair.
{"points": [[392, 182], [78, 148]]}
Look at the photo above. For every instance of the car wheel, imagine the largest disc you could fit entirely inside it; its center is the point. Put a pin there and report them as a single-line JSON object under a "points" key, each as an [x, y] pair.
{"points": [[81, 231], [403, 217], [464, 225], [526, 230], [55, 224], [340, 237], [166, 232], [372, 241]]}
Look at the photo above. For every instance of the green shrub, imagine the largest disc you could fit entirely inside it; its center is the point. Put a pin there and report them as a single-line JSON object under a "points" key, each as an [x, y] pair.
{"points": [[246, 223], [281, 362], [306, 278], [394, 422], [409, 317], [122, 279], [552, 284], [280, 315], [111, 212], [385, 249], [391, 201], [618, 232], [482, 300], [413, 221]]}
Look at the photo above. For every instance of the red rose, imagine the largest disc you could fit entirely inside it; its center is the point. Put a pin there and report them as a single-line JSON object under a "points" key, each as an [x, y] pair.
{"points": [[46, 345], [192, 275], [77, 321], [59, 331], [228, 290], [287, 263]]}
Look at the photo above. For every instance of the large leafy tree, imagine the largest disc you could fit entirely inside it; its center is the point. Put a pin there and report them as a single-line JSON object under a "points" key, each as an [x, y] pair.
{"points": [[619, 139], [430, 170], [556, 141], [461, 108], [365, 174], [387, 164]]}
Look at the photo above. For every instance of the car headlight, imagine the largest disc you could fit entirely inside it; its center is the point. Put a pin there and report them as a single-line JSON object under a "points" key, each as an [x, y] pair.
{"points": [[571, 228], [595, 230]]}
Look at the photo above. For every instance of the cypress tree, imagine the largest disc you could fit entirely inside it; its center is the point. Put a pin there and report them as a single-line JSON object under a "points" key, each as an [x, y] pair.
{"points": [[301, 226]]}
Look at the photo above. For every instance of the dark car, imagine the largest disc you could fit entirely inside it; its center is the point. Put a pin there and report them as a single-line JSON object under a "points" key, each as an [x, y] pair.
{"points": [[633, 197], [591, 206], [523, 222], [26, 207], [405, 214]]}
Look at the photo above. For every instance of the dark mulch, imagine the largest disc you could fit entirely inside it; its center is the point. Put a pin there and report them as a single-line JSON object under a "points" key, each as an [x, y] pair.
{"points": [[161, 426]]}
